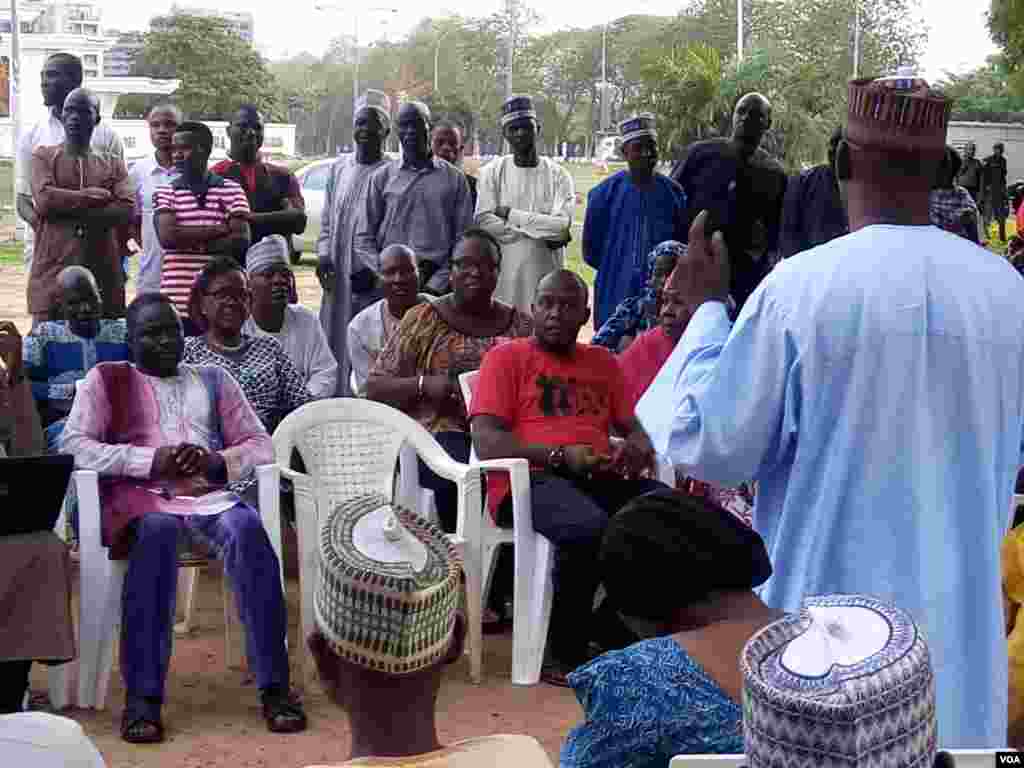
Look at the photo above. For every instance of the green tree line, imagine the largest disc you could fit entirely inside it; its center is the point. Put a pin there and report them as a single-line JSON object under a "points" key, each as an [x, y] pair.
{"points": [[685, 69]]}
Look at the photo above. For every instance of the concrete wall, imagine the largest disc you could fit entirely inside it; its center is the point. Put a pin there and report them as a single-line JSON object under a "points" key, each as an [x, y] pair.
{"points": [[984, 135], [279, 138]]}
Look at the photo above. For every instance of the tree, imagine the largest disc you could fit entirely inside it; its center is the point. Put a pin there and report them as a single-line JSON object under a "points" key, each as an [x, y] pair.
{"points": [[1006, 27], [218, 70], [983, 93]]}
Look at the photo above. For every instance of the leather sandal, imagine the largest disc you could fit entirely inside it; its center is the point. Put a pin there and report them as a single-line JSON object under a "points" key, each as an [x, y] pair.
{"points": [[141, 730]]}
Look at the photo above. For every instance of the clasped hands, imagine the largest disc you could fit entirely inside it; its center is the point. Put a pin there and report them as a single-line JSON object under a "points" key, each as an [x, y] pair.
{"points": [[184, 461], [630, 458]]}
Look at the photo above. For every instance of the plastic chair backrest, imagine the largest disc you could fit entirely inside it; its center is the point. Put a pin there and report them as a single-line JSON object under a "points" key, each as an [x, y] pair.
{"points": [[350, 446]]}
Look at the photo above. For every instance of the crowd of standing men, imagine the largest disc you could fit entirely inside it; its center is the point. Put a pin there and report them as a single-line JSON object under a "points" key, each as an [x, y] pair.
{"points": [[869, 384]]}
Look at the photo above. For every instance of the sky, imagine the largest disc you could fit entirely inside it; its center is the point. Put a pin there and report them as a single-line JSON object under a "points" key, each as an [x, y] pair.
{"points": [[958, 39]]}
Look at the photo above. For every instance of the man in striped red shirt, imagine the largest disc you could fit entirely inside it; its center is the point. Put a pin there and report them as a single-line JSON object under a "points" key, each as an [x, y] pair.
{"points": [[198, 215]]}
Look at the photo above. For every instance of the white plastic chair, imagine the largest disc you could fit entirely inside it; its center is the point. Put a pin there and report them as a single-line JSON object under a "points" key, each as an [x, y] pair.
{"points": [[102, 582], [533, 585], [350, 447]]}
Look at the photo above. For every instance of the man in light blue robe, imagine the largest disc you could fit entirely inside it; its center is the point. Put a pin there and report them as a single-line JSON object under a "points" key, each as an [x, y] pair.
{"points": [[628, 214], [874, 387]]}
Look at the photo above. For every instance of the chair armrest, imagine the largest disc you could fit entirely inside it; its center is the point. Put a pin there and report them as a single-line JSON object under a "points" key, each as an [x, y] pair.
{"points": [[299, 479]]}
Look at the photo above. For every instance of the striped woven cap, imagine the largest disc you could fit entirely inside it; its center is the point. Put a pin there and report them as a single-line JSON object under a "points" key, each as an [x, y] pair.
{"points": [[845, 683], [897, 114], [388, 586]]}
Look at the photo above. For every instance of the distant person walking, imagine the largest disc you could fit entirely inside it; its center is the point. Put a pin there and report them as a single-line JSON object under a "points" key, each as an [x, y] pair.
{"points": [[994, 202]]}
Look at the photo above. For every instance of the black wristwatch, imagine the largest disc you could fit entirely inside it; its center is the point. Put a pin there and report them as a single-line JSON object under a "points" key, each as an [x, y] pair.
{"points": [[557, 459]]}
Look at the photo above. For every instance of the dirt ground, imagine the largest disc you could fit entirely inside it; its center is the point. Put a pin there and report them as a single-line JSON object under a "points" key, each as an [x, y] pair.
{"points": [[212, 714], [213, 718]]}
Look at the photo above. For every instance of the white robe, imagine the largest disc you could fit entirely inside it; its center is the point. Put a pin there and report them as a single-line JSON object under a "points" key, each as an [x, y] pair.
{"points": [[541, 200]]}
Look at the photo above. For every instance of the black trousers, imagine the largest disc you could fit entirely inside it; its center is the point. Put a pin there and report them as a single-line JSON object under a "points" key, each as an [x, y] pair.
{"points": [[446, 499], [573, 515]]}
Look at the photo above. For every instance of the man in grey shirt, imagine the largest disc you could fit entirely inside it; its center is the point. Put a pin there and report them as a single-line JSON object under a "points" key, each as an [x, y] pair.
{"points": [[420, 201]]}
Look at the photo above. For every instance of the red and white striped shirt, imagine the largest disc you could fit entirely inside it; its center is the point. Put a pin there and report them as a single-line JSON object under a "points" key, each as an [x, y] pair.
{"points": [[180, 268]]}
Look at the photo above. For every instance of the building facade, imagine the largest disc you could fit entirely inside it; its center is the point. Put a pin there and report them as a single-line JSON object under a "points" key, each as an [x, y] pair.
{"points": [[240, 22]]}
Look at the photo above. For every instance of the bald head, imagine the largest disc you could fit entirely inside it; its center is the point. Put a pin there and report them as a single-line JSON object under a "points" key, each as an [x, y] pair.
{"points": [[750, 119], [563, 280], [80, 301], [415, 109], [560, 309]]}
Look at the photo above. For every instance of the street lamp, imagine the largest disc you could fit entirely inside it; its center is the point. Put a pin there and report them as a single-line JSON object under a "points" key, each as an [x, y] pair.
{"points": [[856, 39], [437, 51], [327, 7]]}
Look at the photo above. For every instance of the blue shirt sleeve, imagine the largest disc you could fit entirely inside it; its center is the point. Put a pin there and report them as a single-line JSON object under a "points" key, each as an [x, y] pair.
{"points": [[732, 395], [593, 227]]}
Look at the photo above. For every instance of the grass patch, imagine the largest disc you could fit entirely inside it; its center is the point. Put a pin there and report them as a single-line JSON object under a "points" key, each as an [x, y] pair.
{"points": [[11, 253]]}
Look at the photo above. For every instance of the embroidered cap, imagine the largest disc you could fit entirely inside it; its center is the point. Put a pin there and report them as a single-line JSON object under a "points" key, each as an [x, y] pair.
{"points": [[377, 101], [637, 127], [845, 682], [900, 113], [388, 587], [517, 108], [265, 253]]}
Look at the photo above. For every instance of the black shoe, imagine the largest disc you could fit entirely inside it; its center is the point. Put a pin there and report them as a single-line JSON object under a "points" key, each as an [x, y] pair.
{"points": [[282, 711]]}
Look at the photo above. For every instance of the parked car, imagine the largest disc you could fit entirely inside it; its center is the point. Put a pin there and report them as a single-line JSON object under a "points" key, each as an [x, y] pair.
{"points": [[313, 182]]}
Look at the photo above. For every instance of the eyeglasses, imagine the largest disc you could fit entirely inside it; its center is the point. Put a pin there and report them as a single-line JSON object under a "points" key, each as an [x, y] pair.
{"points": [[224, 295], [480, 267]]}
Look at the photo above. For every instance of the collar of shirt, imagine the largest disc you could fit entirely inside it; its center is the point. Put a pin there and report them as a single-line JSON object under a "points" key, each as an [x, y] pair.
{"points": [[434, 165]]}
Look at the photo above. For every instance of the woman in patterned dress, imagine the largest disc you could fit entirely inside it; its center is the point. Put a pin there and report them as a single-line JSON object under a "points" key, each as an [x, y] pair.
{"points": [[219, 306], [417, 372], [683, 572]]}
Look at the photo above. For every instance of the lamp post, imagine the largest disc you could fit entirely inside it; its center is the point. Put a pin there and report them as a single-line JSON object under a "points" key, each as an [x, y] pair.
{"points": [[437, 52], [856, 39], [739, 32], [327, 7], [14, 97]]}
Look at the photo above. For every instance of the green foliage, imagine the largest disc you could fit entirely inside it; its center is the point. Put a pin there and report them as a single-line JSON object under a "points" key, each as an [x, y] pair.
{"points": [[218, 70], [984, 92], [1006, 27]]}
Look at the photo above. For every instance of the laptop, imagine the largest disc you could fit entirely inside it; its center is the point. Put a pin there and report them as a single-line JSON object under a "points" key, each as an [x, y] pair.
{"points": [[964, 758], [32, 490]]}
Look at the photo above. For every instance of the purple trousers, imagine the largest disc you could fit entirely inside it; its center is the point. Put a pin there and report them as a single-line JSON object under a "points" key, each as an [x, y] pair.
{"points": [[238, 537]]}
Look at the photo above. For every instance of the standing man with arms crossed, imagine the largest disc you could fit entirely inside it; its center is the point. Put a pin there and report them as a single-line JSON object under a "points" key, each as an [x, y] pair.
{"points": [[883, 405], [62, 73], [80, 199], [526, 202], [275, 199], [348, 284], [198, 215]]}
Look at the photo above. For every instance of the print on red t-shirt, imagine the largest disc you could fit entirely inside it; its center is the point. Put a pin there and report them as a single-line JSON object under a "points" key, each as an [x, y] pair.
{"points": [[572, 400]]}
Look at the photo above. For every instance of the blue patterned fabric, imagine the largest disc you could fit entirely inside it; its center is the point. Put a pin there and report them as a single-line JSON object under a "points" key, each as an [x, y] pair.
{"points": [[637, 314], [646, 703], [55, 358]]}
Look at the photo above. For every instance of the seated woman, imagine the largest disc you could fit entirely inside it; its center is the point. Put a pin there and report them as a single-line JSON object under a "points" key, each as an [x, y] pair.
{"points": [[680, 691], [640, 364], [295, 327], [35, 570], [219, 307], [417, 372], [638, 313]]}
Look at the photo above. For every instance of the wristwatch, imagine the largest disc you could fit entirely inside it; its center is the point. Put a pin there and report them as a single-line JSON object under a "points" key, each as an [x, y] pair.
{"points": [[557, 459]]}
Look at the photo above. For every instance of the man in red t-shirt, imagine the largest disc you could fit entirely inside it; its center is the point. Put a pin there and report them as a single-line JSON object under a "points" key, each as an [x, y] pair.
{"points": [[275, 198], [556, 402]]}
